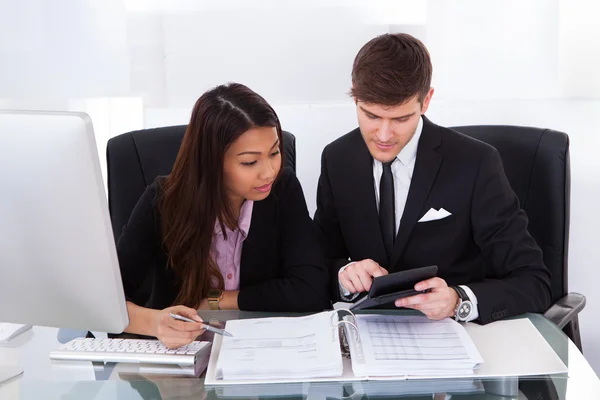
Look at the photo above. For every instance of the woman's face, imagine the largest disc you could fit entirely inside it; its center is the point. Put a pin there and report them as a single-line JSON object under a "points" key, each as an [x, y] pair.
{"points": [[251, 165]]}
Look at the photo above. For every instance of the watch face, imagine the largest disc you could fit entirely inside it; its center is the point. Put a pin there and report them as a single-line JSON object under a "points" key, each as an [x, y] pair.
{"points": [[464, 310]]}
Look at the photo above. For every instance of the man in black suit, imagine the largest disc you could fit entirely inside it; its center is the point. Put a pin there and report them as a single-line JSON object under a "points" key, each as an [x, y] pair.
{"points": [[401, 192]]}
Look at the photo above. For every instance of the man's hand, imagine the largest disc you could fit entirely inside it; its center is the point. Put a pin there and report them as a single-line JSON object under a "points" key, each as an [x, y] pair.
{"points": [[358, 276], [438, 304]]}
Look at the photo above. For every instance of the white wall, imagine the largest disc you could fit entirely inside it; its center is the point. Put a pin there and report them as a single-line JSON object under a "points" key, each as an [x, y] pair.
{"points": [[142, 63]]}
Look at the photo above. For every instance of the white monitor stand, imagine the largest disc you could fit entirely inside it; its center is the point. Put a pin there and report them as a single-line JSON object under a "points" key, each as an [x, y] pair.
{"points": [[9, 372]]}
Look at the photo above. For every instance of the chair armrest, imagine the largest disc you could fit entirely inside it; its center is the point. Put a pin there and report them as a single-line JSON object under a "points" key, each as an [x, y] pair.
{"points": [[564, 310]]}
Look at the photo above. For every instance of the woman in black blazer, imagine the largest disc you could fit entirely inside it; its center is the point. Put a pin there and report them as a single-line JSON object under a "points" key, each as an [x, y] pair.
{"points": [[227, 229]]}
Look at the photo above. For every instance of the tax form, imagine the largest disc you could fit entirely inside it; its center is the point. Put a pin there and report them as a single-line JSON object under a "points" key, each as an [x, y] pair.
{"points": [[412, 345], [279, 348]]}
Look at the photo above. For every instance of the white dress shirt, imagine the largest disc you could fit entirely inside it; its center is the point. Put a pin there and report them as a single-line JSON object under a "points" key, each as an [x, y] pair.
{"points": [[402, 170]]}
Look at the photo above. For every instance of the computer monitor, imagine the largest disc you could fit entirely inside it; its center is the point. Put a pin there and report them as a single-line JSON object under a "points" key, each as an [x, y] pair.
{"points": [[58, 263]]}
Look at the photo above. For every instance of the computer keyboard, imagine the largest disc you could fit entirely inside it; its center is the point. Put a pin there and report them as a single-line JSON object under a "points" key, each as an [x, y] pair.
{"points": [[129, 351]]}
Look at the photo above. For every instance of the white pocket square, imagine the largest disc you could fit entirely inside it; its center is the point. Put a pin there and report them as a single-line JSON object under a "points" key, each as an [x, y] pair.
{"points": [[434, 214]]}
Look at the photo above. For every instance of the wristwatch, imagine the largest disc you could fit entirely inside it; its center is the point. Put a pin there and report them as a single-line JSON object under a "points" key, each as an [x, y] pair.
{"points": [[464, 306], [214, 296]]}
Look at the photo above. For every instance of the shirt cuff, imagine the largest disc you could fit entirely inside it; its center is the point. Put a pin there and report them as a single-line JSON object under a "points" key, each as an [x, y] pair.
{"points": [[473, 298], [345, 294]]}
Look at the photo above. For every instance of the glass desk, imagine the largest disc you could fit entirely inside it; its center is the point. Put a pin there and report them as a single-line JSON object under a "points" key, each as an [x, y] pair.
{"points": [[46, 379]]}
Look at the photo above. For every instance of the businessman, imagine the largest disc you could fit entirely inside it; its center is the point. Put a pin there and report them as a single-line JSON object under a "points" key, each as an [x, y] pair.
{"points": [[401, 192]]}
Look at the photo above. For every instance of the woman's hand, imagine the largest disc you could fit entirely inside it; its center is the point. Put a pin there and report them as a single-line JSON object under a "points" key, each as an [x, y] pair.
{"points": [[174, 333]]}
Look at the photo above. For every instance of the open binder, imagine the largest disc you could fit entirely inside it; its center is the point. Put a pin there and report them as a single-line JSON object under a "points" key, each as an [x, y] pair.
{"points": [[509, 348], [337, 345]]}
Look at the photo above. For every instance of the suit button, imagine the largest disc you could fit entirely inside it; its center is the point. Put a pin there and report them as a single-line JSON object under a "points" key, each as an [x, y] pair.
{"points": [[229, 276]]}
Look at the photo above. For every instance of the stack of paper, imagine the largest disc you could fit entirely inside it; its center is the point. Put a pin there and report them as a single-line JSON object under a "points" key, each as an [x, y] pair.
{"points": [[280, 348], [392, 345]]}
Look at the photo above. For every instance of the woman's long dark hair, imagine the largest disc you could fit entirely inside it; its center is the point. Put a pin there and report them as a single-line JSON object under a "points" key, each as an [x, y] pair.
{"points": [[193, 196]]}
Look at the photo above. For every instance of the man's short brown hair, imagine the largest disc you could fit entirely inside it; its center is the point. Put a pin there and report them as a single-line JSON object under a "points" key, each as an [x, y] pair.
{"points": [[391, 69]]}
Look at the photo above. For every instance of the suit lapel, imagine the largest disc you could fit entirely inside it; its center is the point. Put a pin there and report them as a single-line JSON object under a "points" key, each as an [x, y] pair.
{"points": [[360, 177], [427, 165]]}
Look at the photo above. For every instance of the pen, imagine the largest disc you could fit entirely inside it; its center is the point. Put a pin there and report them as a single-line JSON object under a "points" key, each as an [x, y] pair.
{"points": [[205, 326]]}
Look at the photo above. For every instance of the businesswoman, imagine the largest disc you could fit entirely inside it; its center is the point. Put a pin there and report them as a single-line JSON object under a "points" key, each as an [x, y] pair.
{"points": [[227, 229]]}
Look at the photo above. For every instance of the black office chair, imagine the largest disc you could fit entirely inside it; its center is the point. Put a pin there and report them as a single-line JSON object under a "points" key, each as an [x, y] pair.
{"points": [[536, 162], [135, 159]]}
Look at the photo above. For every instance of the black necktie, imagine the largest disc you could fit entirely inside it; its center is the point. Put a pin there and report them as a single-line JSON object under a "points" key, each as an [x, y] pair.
{"points": [[387, 217]]}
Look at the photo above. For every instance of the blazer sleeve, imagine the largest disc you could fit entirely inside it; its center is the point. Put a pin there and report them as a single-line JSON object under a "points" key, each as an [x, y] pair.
{"points": [[517, 280], [328, 229], [137, 247], [304, 282]]}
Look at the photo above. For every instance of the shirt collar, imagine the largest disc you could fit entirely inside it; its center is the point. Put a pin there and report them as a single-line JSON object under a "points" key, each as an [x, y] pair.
{"points": [[243, 221], [408, 154], [246, 216]]}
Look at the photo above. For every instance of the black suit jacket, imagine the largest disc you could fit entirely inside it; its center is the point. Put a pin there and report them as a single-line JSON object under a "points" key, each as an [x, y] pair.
{"points": [[282, 266], [483, 244]]}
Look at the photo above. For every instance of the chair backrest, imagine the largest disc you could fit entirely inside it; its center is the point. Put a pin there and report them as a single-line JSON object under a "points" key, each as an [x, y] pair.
{"points": [[135, 159], [536, 163]]}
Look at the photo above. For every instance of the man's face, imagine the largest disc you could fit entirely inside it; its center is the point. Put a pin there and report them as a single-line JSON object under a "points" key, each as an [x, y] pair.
{"points": [[386, 130]]}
